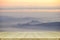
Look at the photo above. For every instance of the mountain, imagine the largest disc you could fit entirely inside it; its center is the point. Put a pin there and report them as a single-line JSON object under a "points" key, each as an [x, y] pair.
{"points": [[38, 23], [51, 24], [31, 23], [7, 20], [41, 26], [27, 23]]}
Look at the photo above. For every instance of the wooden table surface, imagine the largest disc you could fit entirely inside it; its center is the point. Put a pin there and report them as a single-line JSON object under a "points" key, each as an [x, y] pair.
{"points": [[30, 35]]}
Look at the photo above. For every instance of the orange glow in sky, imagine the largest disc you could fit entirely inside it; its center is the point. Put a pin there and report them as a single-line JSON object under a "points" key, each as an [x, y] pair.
{"points": [[29, 3], [29, 10]]}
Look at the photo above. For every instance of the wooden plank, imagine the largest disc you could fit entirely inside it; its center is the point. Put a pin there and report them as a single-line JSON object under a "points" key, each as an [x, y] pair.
{"points": [[29, 35]]}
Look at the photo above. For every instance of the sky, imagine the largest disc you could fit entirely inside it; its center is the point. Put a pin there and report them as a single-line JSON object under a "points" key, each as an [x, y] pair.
{"points": [[33, 4], [29, 3], [49, 9]]}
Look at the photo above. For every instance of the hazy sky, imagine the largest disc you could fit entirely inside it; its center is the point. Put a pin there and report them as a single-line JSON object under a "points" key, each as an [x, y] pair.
{"points": [[29, 3], [49, 9], [44, 16]]}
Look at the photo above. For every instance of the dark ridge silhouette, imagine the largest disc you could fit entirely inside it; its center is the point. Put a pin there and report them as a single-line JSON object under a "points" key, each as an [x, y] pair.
{"points": [[51, 24], [32, 22], [43, 24]]}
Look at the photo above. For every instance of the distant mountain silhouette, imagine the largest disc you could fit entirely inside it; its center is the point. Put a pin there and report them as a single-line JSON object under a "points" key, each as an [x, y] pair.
{"points": [[28, 23], [38, 23], [31, 23], [51, 24], [41, 26]]}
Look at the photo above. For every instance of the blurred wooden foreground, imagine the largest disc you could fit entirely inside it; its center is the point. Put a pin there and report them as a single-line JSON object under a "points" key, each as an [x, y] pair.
{"points": [[29, 35]]}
